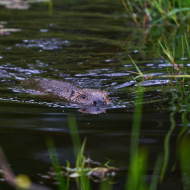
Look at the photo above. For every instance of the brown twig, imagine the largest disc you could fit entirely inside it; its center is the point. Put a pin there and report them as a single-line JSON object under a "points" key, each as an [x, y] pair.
{"points": [[10, 176]]}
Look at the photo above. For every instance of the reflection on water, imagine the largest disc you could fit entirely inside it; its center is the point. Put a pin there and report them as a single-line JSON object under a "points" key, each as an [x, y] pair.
{"points": [[19, 4], [86, 44], [51, 44]]}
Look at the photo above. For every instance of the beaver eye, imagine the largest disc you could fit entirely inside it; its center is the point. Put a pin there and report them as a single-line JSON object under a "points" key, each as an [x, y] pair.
{"points": [[83, 96]]}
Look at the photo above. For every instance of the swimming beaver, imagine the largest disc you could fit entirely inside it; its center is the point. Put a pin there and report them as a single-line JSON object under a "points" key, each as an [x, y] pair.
{"points": [[71, 93]]}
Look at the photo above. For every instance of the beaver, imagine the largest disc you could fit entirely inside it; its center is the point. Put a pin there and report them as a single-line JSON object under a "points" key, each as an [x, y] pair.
{"points": [[69, 92]]}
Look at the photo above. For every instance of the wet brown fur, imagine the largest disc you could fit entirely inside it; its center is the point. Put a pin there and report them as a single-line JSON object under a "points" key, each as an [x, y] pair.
{"points": [[69, 92]]}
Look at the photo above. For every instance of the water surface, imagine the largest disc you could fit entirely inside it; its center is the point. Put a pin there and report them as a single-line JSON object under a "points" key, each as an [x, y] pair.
{"points": [[86, 43]]}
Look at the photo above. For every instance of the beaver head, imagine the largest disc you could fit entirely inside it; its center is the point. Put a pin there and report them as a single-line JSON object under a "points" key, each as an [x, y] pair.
{"points": [[89, 97]]}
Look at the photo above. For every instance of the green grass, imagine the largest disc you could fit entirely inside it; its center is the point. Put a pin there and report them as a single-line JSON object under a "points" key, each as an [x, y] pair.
{"points": [[138, 156], [56, 166], [137, 161], [164, 12], [180, 100], [178, 69], [184, 161]]}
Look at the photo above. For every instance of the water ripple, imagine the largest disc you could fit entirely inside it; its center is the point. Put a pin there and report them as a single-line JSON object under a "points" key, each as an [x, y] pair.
{"points": [[46, 44], [153, 82]]}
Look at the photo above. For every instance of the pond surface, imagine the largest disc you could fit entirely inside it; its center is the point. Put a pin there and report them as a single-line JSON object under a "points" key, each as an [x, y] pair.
{"points": [[86, 43]]}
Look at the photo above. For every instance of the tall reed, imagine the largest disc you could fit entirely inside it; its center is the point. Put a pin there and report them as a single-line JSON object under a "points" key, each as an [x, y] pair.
{"points": [[158, 11]]}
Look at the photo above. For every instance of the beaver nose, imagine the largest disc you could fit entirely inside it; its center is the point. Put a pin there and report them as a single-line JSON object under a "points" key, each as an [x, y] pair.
{"points": [[99, 103], [94, 103]]}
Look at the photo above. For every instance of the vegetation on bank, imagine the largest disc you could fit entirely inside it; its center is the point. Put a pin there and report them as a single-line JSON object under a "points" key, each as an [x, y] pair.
{"points": [[158, 11]]}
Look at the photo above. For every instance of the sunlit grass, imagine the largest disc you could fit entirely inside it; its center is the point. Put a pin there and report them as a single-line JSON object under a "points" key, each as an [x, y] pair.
{"points": [[183, 100], [138, 157], [56, 165], [182, 70], [179, 70], [137, 161], [167, 144], [158, 11], [184, 153]]}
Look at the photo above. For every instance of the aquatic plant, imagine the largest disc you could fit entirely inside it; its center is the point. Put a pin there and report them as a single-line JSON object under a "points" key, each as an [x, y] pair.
{"points": [[167, 139], [138, 157], [158, 11], [184, 153], [181, 96], [179, 70], [139, 73], [170, 57], [85, 168], [56, 165]]}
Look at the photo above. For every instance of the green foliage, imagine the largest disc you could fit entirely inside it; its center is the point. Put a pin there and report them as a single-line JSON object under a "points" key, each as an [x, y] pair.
{"points": [[83, 181], [74, 135], [138, 157], [137, 171], [137, 162], [171, 56], [158, 11], [167, 146], [156, 172], [184, 161], [140, 74], [56, 166], [136, 122]]}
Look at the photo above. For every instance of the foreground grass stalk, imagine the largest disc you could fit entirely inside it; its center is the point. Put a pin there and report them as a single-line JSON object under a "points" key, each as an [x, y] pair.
{"points": [[56, 166], [184, 161], [156, 172], [83, 181], [187, 44], [185, 119], [136, 122], [74, 135], [138, 158], [167, 146], [137, 171]]}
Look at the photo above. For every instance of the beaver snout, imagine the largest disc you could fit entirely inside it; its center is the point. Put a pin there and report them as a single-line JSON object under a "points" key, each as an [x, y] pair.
{"points": [[89, 97], [99, 103]]}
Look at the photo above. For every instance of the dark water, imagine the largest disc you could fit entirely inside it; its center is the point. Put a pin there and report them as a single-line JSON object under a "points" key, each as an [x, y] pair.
{"points": [[86, 43]]}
